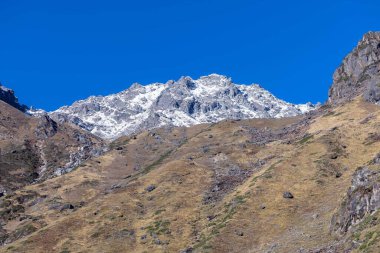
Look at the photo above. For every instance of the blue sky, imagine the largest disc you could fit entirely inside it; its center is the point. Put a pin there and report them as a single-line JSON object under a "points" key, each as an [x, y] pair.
{"points": [[55, 52]]}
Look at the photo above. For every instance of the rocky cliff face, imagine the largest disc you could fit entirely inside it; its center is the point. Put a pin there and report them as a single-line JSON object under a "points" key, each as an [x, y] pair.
{"points": [[362, 198], [359, 73], [184, 102], [8, 96]]}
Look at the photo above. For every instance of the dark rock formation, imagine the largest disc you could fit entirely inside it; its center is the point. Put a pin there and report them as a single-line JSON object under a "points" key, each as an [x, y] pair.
{"points": [[150, 188], [8, 96], [359, 73], [287, 195], [67, 206], [362, 198], [46, 127]]}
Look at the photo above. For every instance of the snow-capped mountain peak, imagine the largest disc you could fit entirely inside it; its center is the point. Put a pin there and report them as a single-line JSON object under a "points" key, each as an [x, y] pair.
{"points": [[184, 102]]}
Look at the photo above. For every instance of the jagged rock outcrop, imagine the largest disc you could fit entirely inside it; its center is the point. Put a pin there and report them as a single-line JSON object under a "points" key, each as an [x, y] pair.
{"points": [[184, 102], [359, 73], [8, 96], [362, 198], [46, 127]]}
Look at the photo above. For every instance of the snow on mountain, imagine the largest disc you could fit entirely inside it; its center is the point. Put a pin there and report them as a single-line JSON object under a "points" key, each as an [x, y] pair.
{"points": [[184, 102]]}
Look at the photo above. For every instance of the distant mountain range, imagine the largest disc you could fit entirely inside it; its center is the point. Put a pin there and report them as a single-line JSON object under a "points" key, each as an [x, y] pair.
{"points": [[184, 102]]}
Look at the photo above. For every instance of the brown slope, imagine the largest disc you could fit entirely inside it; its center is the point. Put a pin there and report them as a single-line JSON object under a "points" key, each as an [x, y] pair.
{"points": [[34, 148], [195, 170], [115, 211], [215, 184]]}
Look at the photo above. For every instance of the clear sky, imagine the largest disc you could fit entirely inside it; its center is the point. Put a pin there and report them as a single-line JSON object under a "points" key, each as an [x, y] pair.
{"points": [[55, 52]]}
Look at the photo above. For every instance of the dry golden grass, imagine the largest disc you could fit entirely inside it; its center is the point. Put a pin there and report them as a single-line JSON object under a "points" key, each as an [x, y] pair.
{"points": [[183, 163]]}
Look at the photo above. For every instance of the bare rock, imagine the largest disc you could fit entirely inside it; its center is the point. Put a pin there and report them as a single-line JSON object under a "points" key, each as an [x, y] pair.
{"points": [[287, 195], [67, 206], [359, 72], [362, 198], [150, 188], [187, 250], [8, 96]]}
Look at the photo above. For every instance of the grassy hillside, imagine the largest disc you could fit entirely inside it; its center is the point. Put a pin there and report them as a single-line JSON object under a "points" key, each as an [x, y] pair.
{"points": [[208, 188]]}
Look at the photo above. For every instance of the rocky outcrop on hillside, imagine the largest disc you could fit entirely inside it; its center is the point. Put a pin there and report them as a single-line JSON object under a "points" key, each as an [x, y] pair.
{"points": [[46, 127], [362, 198], [8, 96], [359, 73]]}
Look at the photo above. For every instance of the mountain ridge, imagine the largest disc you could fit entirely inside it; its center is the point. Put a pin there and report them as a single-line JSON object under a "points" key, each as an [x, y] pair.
{"points": [[184, 102], [8, 96]]}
